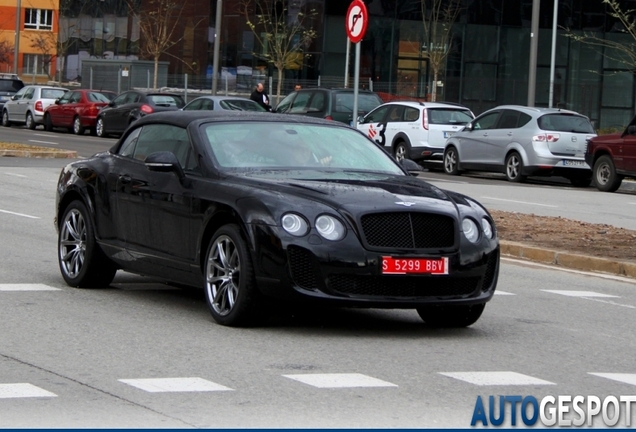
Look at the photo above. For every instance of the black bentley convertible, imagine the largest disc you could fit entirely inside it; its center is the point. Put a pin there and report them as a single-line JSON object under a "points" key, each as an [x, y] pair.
{"points": [[257, 206]]}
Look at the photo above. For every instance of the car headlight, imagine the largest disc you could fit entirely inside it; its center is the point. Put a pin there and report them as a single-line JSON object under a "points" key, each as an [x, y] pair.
{"points": [[470, 230], [487, 227], [294, 224], [330, 228]]}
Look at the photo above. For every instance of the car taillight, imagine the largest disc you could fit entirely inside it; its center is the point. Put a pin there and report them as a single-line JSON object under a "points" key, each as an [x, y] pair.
{"points": [[92, 110], [549, 137], [328, 118], [146, 109], [38, 106], [425, 119]]}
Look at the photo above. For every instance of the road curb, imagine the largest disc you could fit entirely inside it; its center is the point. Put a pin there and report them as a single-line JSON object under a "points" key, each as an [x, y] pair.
{"points": [[568, 259], [59, 154]]}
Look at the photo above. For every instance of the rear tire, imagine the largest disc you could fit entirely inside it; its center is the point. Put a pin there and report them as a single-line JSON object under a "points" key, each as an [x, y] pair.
{"points": [[82, 263], [401, 151], [78, 129], [605, 176], [514, 168], [451, 161], [451, 316], [29, 122]]}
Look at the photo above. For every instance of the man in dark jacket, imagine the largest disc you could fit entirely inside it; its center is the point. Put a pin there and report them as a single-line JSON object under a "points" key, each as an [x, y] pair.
{"points": [[260, 97]]}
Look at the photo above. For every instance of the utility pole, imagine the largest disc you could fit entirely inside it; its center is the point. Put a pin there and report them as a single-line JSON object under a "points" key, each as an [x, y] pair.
{"points": [[16, 50], [534, 44], [217, 46]]}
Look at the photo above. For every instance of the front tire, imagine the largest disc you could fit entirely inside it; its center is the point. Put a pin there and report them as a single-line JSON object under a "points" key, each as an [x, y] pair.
{"points": [[82, 262], [605, 175], [230, 285], [99, 128], [451, 316], [78, 129], [48, 123], [451, 161], [29, 122], [5, 119], [514, 168]]}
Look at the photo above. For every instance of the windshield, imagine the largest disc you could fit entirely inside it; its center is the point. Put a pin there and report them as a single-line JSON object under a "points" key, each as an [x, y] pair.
{"points": [[565, 123], [318, 149], [240, 105]]}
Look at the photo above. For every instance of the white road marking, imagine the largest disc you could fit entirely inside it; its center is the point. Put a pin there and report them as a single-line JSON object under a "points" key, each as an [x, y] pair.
{"points": [[609, 302], [503, 293], [620, 377], [43, 142], [342, 380], [27, 287], [496, 378], [553, 267], [15, 175], [23, 390], [572, 293], [45, 135], [520, 202], [18, 214], [159, 385]]}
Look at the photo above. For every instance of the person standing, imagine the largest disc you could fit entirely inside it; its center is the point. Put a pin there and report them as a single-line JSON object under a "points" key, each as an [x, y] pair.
{"points": [[297, 87], [260, 97]]}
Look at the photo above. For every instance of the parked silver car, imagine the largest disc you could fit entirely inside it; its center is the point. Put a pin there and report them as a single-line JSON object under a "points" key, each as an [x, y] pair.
{"points": [[228, 103], [27, 105], [522, 141]]}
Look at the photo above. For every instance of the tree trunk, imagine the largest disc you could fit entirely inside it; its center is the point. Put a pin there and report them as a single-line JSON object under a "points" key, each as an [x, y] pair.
{"points": [[280, 83], [434, 89], [154, 83]]}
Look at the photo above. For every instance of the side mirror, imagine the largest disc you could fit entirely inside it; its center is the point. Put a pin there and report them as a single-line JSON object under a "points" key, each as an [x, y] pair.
{"points": [[57, 101], [360, 119], [111, 104], [14, 97], [164, 161], [631, 130], [469, 126], [411, 167]]}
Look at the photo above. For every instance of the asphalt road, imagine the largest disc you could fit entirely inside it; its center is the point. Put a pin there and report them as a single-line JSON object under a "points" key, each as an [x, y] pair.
{"points": [[75, 358]]}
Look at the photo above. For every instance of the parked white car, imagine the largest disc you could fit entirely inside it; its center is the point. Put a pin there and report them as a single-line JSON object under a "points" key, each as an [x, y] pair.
{"points": [[27, 105], [415, 130]]}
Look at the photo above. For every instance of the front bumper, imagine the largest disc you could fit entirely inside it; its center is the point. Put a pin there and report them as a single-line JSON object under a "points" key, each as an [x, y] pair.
{"points": [[346, 274]]}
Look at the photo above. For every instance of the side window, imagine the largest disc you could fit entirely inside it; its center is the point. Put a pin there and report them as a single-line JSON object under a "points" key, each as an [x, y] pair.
{"points": [[396, 114], [487, 121], [524, 119], [194, 105], [411, 114], [299, 106], [317, 103], [120, 99], [207, 105], [76, 97], [376, 116], [508, 120], [128, 147], [284, 105], [132, 98], [159, 137], [20, 94], [65, 98], [29, 93]]}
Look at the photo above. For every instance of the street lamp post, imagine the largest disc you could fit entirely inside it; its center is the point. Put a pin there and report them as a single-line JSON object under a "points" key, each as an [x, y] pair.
{"points": [[534, 45], [217, 46], [553, 55], [16, 50]]}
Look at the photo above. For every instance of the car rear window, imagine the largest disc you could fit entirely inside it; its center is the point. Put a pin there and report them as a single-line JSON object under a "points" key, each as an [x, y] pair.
{"points": [[52, 93], [366, 102], [97, 97], [166, 100], [10, 85], [565, 123], [449, 116]]}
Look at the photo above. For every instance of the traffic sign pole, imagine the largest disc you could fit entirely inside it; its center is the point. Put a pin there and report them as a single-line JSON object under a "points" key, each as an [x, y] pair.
{"points": [[356, 26], [356, 83]]}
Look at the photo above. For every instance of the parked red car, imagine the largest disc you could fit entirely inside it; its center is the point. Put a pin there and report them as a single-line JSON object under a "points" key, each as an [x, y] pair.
{"points": [[76, 110]]}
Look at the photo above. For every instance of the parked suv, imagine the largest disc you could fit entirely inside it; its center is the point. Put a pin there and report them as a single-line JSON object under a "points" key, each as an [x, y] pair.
{"points": [[521, 141], [612, 157], [330, 104], [10, 84], [27, 105], [415, 130]]}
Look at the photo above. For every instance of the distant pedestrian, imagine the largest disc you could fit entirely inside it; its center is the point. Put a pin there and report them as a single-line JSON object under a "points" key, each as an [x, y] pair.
{"points": [[297, 87], [260, 97]]}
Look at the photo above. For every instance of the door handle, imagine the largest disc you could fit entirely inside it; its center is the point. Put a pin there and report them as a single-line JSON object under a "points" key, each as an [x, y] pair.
{"points": [[125, 179], [485, 134], [509, 133]]}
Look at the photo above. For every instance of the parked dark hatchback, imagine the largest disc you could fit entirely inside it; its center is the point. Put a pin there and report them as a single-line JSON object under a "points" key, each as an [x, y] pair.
{"points": [[133, 105], [9, 85], [612, 158], [320, 214], [330, 104]]}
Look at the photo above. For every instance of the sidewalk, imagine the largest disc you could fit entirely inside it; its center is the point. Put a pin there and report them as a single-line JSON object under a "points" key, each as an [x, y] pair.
{"points": [[567, 259]]}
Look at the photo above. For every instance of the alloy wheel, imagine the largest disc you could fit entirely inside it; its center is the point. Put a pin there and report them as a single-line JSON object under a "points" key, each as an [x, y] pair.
{"points": [[77, 126], [400, 152], [450, 161], [223, 272], [73, 243], [99, 127], [513, 167], [603, 174]]}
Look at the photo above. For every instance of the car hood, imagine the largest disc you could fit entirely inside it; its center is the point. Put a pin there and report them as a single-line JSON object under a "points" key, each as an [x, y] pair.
{"points": [[364, 196], [606, 138]]}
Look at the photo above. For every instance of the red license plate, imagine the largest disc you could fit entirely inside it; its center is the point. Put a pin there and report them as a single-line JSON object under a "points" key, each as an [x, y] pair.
{"points": [[436, 266]]}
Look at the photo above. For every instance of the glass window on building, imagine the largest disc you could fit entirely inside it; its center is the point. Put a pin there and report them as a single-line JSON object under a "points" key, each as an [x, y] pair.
{"points": [[38, 19], [36, 64]]}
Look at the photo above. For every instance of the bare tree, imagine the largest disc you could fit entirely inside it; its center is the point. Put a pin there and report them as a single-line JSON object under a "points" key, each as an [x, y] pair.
{"points": [[438, 17], [6, 52], [159, 23], [283, 31], [617, 50]]}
